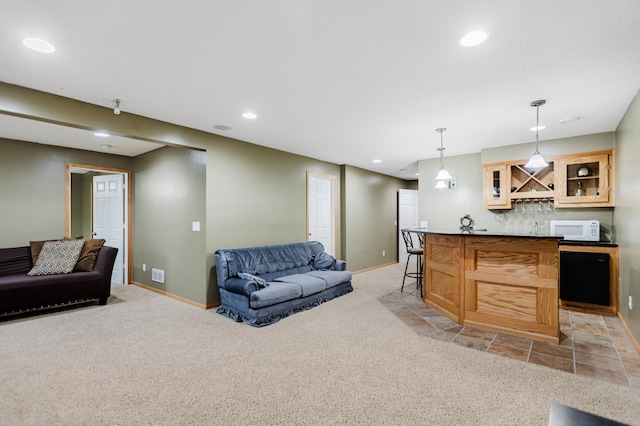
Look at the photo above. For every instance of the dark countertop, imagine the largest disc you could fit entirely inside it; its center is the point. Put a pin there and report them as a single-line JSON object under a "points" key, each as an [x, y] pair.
{"points": [[485, 233], [479, 233], [587, 243]]}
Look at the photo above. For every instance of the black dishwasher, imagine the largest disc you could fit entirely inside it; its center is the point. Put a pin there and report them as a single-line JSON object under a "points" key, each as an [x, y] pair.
{"points": [[584, 277]]}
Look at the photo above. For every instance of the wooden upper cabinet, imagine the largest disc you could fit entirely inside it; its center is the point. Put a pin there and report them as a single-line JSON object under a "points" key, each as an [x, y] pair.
{"points": [[585, 181], [577, 180], [495, 187]]}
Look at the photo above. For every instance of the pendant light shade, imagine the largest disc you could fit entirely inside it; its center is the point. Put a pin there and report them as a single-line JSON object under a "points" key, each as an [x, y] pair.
{"points": [[536, 161], [443, 175], [441, 184]]}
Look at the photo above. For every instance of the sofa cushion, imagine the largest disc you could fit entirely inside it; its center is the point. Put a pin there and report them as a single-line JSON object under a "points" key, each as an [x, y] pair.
{"points": [[276, 292], [36, 247], [88, 255], [308, 284], [324, 261], [332, 278], [57, 257]]}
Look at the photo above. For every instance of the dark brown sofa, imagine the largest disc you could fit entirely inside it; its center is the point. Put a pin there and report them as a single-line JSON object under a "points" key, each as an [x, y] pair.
{"points": [[20, 293]]}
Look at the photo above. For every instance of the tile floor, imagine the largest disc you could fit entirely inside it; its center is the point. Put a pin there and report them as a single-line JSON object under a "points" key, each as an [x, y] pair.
{"points": [[590, 345]]}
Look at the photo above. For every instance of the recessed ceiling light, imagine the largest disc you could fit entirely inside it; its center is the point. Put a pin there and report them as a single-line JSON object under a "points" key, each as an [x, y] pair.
{"points": [[101, 134], [39, 45], [377, 161], [534, 128], [222, 127], [249, 116], [473, 38], [568, 120], [106, 146]]}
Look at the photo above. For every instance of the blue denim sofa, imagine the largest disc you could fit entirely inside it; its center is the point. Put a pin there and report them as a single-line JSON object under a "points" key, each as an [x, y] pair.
{"points": [[261, 285]]}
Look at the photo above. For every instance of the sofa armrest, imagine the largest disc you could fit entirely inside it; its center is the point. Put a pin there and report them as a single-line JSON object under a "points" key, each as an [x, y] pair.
{"points": [[240, 286], [340, 265]]}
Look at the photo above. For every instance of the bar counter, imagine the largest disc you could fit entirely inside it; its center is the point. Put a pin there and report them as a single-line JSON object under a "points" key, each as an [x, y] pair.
{"points": [[494, 281]]}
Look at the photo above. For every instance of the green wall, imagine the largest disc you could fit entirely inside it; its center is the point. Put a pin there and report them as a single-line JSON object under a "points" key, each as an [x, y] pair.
{"points": [[370, 217], [584, 143], [626, 223], [168, 189]]}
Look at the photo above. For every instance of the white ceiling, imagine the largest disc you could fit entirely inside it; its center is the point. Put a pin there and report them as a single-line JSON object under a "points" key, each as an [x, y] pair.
{"points": [[345, 81]]}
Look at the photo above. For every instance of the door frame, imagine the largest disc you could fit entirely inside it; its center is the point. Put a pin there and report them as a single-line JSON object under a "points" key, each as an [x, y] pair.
{"points": [[334, 205], [127, 201]]}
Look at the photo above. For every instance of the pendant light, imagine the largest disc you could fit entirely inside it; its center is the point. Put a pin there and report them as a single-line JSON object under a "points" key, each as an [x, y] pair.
{"points": [[443, 175], [536, 161]]}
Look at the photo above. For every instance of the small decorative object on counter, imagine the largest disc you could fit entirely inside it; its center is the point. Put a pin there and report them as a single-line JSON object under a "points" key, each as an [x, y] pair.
{"points": [[467, 223]]}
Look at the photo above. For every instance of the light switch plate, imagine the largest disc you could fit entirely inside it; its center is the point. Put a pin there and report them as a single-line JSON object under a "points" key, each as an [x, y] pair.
{"points": [[195, 226]]}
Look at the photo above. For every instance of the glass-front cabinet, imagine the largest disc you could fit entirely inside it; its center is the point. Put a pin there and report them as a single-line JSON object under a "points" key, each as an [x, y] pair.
{"points": [[584, 181], [495, 187]]}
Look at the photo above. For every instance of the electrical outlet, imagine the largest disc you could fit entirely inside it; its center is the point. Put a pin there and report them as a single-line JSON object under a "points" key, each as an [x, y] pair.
{"points": [[384, 253], [630, 303]]}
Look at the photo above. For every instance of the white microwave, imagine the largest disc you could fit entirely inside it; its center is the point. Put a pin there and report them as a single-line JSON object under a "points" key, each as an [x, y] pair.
{"points": [[576, 230]]}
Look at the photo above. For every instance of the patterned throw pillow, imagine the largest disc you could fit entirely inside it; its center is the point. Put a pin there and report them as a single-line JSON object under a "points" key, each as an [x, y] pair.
{"points": [[36, 246], [57, 257]]}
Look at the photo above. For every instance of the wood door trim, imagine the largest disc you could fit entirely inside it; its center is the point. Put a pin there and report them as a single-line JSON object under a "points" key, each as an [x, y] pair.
{"points": [[129, 199]]}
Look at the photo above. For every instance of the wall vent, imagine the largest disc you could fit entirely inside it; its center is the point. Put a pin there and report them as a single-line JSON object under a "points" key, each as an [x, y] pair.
{"points": [[157, 275]]}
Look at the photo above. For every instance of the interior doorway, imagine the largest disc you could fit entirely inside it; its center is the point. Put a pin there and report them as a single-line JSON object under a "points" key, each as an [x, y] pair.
{"points": [[98, 205], [322, 210], [407, 218]]}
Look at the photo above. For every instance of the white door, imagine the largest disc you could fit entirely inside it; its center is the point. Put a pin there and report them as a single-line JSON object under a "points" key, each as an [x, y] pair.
{"points": [[320, 216], [109, 217], [407, 218]]}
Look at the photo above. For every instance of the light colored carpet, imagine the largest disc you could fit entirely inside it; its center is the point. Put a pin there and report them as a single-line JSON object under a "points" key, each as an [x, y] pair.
{"points": [[148, 359]]}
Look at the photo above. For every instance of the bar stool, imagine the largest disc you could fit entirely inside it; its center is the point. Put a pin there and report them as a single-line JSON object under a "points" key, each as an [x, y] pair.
{"points": [[413, 251]]}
